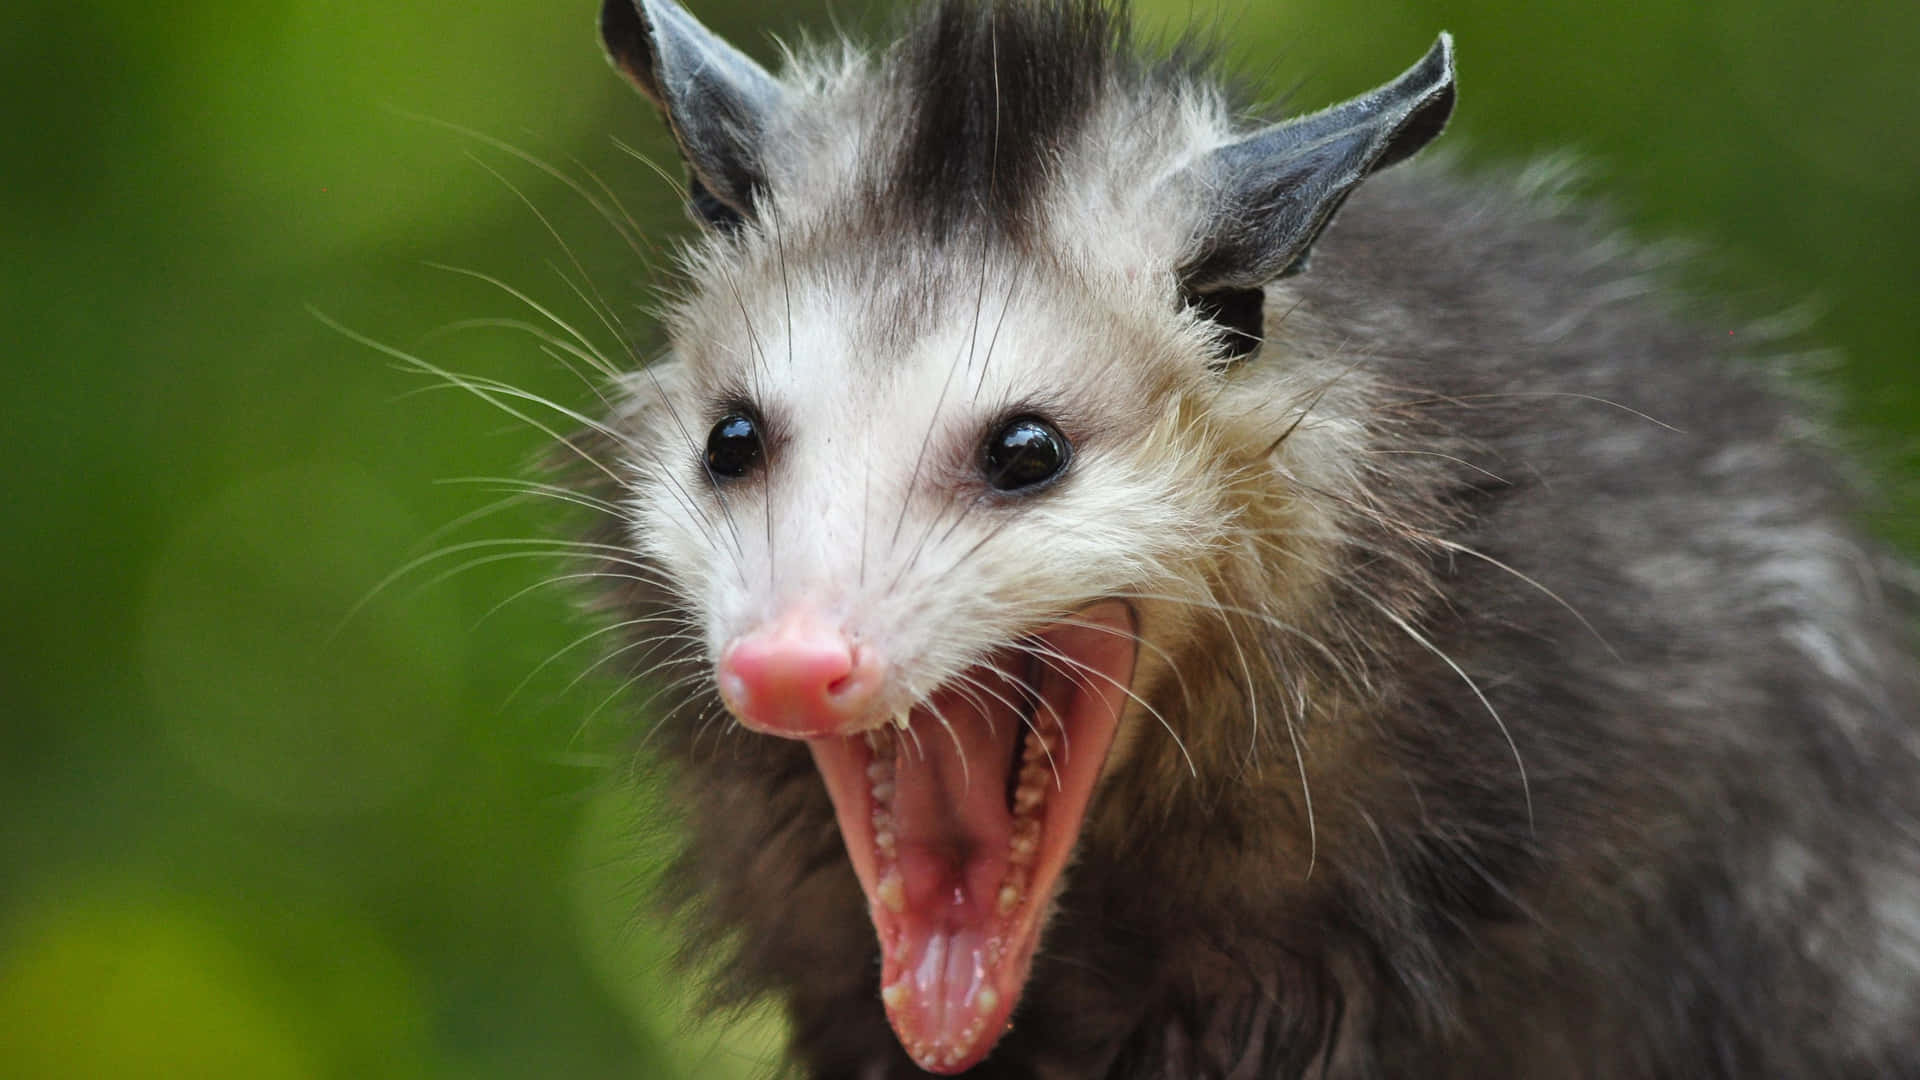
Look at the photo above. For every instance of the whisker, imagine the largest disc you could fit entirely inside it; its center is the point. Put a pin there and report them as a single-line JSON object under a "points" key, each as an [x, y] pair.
{"points": [[596, 303], [580, 345], [590, 636], [622, 224], [1420, 639], [1048, 651], [532, 548], [1461, 398], [561, 579], [538, 488]]}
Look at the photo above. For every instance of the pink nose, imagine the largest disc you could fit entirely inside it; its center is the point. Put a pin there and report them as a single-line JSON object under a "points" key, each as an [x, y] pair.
{"points": [[799, 676]]}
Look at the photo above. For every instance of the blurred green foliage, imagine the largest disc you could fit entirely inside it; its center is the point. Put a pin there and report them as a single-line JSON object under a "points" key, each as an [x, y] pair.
{"points": [[248, 830]]}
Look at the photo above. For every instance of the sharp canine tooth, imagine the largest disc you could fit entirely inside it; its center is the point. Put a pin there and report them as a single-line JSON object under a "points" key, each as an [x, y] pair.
{"points": [[900, 719]]}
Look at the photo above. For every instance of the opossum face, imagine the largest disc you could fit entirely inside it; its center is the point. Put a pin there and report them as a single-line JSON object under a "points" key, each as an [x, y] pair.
{"points": [[922, 553], [936, 469]]}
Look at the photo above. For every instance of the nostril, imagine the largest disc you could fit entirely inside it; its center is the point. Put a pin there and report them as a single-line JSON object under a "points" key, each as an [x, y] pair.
{"points": [[799, 676], [853, 683]]}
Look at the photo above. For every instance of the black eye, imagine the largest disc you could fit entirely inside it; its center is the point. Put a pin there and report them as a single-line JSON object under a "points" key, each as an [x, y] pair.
{"points": [[733, 446], [1026, 452]]}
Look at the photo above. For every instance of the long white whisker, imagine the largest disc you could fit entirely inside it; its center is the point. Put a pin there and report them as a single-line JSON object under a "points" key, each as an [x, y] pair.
{"points": [[592, 635], [1526, 788], [1049, 653]]}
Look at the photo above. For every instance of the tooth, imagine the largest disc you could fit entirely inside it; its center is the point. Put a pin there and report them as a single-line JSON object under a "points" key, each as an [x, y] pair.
{"points": [[895, 995], [900, 719], [1026, 797], [987, 1000], [892, 891], [1016, 879], [883, 841], [1008, 899], [1026, 839], [883, 792]]}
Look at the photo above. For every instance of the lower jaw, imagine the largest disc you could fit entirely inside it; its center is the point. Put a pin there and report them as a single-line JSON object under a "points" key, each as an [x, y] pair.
{"points": [[957, 938], [958, 877]]}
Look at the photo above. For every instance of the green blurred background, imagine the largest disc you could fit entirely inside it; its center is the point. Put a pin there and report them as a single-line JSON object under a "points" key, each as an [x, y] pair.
{"points": [[234, 843]]}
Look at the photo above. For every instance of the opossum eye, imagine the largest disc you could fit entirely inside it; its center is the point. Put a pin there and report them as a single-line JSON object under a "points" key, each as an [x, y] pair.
{"points": [[733, 446], [1025, 452]]}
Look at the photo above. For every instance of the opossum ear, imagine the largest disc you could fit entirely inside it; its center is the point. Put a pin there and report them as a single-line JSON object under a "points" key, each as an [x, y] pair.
{"points": [[718, 102], [1273, 192]]}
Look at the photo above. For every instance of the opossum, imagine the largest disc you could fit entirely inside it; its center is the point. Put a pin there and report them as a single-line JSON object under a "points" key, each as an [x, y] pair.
{"points": [[1142, 592]]}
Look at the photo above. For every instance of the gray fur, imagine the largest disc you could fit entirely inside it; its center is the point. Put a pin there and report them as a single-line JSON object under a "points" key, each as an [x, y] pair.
{"points": [[1551, 719]]}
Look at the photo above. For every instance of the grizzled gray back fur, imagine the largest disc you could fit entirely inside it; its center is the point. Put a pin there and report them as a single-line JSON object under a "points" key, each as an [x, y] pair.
{"points": [[1582, 718]]}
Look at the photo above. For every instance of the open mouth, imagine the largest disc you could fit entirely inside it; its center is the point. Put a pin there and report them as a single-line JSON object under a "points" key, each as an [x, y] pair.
{"points": [[960, 822]]}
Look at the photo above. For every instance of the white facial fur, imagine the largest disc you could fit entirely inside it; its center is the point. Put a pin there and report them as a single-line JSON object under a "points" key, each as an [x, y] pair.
{"points": [[872, 506], [880, 367]]}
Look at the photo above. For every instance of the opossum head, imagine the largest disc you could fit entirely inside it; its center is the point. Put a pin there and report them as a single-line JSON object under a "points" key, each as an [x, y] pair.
{"points": [[955, 434]]}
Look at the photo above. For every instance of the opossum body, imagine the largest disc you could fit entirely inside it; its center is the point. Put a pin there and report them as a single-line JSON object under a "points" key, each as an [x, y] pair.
{"points": [[1164, 658]]}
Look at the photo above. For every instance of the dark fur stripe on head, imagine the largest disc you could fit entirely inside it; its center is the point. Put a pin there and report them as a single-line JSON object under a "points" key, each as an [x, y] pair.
{"points": [[996, 88]]}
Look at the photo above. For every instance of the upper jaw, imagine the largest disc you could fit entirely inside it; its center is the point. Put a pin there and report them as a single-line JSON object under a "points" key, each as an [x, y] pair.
{"points": [[960, 824]]}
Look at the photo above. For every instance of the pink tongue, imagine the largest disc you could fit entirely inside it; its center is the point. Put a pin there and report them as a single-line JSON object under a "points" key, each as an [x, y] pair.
{"points": [[952, 830]]}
